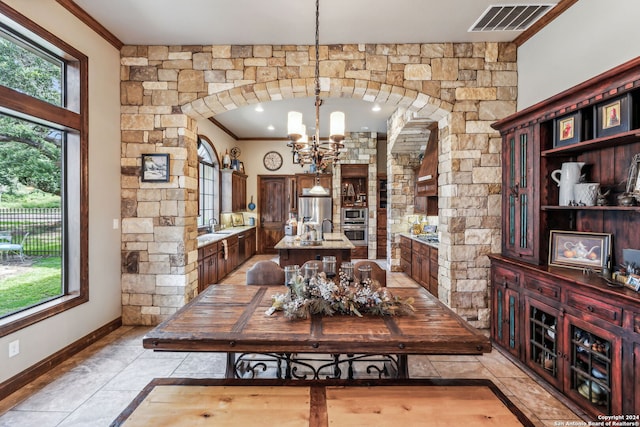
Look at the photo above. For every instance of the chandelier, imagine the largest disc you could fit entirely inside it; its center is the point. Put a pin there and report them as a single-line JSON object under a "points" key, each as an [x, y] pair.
{"points": [[316, 153]]}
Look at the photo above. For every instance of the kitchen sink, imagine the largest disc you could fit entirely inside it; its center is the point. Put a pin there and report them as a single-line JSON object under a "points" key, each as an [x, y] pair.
{"points": [[332, 240]]}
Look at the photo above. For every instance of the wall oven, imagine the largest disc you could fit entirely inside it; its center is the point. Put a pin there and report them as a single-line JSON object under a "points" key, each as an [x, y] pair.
{"points": [[354, 223]]}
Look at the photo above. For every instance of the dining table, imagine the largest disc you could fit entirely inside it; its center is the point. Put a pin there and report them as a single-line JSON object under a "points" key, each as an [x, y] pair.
{"points": [[236, 320]]}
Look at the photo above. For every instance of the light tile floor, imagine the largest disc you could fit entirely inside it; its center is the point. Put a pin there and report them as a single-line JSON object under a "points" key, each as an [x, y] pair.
{"points": [[93, 387]]}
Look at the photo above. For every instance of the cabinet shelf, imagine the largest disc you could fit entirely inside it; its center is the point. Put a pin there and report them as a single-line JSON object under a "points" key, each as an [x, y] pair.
{"points": [[594, 144], [590, 208]]}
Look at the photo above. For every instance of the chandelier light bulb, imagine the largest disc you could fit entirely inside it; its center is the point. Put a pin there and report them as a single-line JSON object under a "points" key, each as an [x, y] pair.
{"points": [[336, 126], [294, 125]]}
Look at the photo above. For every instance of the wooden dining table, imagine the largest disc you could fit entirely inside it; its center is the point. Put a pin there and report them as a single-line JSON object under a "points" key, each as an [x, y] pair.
{"points": [[233, 319]]}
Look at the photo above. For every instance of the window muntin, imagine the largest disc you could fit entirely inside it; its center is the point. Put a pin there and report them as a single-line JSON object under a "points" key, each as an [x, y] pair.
{"points": [[209, 183]]}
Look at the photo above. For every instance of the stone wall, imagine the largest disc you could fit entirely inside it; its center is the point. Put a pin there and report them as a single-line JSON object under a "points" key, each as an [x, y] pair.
{"points": [[464, 87]]}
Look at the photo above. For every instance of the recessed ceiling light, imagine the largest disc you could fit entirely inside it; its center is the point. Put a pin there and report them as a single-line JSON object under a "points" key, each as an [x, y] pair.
{"points": [[259, 108], [375, 107], [270, 127]]}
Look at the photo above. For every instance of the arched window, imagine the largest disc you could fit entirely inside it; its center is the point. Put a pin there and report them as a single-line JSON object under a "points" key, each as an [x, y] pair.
{"points": [[209, 183]]}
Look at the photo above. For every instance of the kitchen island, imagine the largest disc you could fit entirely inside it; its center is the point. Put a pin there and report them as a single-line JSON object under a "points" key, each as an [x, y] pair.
{"points": [[292, 250]]}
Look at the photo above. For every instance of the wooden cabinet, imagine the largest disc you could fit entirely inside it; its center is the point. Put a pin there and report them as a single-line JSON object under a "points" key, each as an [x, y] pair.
{"points": [[505, 309], [405, 254], [207, 266], [246, 245], [239, 192], [574, 330], [233, 189], [518, 196], [433, 271], [308, 180], [420, 261]]}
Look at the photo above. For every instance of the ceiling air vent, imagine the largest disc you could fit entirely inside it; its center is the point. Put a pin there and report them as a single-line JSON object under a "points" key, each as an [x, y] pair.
{"points": [[510, 17]]}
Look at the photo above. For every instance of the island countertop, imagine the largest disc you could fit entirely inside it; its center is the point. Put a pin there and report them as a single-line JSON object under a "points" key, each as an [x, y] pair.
{"points": [[330, 241]]}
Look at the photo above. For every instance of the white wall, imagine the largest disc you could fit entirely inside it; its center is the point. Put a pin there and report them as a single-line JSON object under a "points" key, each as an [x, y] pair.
{"points": [[590, 37], [49, 336]]}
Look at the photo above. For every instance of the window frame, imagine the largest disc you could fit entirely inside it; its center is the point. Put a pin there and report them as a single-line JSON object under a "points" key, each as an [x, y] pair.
{"points": [[215, 170], [73, 115]]}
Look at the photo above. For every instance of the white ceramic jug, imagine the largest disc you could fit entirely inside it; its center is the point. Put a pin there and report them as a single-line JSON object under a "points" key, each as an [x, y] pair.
{"points": [[566, 177]]}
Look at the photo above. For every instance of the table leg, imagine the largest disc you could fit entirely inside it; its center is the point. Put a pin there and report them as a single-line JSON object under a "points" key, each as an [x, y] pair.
{"points": [[403, 366], [230, 372]]}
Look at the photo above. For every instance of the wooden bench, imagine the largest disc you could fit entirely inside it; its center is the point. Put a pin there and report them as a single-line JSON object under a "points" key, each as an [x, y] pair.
{"points": [[187, 402]]}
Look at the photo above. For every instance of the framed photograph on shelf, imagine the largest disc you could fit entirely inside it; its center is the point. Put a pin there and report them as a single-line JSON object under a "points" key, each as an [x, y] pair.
{"points": [[582, 250], [241, 167], [567, 129], [612, 116], [155, 168]]}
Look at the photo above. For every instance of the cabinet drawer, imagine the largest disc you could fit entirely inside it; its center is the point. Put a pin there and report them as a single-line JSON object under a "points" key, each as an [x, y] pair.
{"points": [[589, 306], [636, 323], [208, 250], [542, 287], [504, 277]]}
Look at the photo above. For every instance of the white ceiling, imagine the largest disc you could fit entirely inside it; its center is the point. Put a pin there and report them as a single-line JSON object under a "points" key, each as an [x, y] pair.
{"points": [[201, 22]]}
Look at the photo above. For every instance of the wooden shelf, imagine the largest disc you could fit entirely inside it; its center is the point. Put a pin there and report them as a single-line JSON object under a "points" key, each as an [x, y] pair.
{"points": [[594, 144], [591, 208]]}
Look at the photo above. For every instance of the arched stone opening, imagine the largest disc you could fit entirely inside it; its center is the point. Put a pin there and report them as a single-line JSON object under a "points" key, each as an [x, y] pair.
{"points": [[165, 89]]}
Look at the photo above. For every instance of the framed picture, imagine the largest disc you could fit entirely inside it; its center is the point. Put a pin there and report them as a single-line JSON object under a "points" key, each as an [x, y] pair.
{"points": [[612, 116], [633, 181], [567, 129], [155, 168], [241, 167], [634, 282], [576, 249]]}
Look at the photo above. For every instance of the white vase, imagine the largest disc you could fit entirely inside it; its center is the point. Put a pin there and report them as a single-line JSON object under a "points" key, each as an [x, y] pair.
{"points": [[566, 178]]}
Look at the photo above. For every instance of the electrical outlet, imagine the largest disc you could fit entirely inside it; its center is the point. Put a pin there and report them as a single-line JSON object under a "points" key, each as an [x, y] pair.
{"points": [[14, 348]]}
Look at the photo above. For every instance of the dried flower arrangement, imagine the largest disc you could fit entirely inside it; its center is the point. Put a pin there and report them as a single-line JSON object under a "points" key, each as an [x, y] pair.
{"points": [[320, 295]]}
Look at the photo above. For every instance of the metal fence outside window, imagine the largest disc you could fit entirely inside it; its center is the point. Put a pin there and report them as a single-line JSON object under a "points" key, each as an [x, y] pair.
{"points": [[44, 226]]}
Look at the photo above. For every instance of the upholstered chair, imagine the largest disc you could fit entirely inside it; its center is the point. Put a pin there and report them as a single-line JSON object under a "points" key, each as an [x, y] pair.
{"points": [[264, 273]]}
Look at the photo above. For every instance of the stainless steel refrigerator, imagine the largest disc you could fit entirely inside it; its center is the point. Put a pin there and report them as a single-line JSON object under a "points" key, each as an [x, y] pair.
{"points": [[314, 210]]}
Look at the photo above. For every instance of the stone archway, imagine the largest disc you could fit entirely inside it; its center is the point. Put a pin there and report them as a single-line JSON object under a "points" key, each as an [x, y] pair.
{"points": [[165, 89]]}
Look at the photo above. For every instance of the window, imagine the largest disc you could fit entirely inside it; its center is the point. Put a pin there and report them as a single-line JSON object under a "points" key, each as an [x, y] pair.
{"points": [[209, 183], [43, 155]]}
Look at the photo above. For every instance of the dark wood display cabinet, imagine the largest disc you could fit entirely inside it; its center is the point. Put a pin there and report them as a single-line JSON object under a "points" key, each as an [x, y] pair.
{"points": [[572, 328]]}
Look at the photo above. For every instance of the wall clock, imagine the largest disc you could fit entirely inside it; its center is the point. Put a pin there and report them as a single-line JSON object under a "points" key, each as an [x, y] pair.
{"points": [[272, 160]]}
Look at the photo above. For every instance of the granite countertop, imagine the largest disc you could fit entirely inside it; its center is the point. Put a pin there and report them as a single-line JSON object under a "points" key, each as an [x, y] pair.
{"points": [[330, 241], [420, 240], [208, 238]]}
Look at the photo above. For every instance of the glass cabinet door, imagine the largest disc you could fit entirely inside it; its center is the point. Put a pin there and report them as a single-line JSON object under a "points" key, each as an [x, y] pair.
{"points": [[543, 351], [592, 361], [518, 195]]}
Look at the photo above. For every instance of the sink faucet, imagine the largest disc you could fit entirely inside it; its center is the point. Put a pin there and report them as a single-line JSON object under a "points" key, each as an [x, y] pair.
{"points": [[212, 223], [330, 223]]}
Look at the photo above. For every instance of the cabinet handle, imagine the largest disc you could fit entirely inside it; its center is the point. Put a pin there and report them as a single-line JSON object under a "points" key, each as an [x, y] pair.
{"points": [[514, 189], [590, 308], [540, 289], [504, 283]]}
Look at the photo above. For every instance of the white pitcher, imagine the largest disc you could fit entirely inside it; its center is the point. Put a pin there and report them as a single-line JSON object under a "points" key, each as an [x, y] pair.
{"points": [[566, 177]]}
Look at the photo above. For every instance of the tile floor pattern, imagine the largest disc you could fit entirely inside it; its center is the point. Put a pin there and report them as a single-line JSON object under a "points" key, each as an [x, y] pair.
{"points": [[93, 387]]}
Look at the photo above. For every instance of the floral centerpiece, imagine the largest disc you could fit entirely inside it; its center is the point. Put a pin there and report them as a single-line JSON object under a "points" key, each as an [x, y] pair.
{"points": [[319, 295]]}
